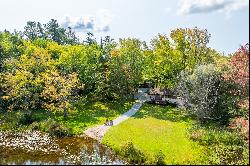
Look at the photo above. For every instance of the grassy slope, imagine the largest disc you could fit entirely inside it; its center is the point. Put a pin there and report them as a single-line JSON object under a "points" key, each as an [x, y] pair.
{"points": [[80, 118], [156, 128], [89, 115]]}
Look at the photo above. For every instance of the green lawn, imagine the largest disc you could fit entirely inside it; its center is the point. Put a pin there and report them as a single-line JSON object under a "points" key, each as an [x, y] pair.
{"points": [[82, 116], [154, 129], [94, 113]]}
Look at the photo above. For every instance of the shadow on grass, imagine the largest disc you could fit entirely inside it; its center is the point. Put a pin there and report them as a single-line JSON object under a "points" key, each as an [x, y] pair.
{"points": [[83, 115], [163, 112], [94, 113]]}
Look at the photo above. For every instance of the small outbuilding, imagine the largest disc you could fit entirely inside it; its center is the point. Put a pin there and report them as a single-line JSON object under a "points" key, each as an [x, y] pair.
{"points": [[158, 96]]}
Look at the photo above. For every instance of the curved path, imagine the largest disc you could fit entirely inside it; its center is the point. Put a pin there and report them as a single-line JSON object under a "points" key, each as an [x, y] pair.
{"points": [[98, 132]]}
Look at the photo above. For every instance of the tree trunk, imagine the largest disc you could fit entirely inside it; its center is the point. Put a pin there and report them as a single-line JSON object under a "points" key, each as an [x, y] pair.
{"points": [[65, 114]]}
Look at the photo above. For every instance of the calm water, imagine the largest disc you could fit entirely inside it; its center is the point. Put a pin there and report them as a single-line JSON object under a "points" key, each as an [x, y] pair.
{"points": [[29, 148]]}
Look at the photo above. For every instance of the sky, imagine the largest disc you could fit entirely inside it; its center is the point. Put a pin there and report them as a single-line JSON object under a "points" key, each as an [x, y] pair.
{"points": [[226, 20]]}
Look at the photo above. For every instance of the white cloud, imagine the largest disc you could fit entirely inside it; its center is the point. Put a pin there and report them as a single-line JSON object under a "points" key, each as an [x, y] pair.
{"points": [[208, 6], [100, 22]]}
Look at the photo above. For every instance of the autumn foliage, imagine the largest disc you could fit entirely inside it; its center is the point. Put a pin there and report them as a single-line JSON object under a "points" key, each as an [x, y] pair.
{"points": [[238, 75]]}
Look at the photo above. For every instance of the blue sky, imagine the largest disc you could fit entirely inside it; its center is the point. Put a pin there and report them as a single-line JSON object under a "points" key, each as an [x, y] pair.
{"points": [[226, 20]]}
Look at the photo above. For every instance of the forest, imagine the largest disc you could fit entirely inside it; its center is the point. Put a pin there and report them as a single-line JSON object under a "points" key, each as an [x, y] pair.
{"points": [[52, 81]]}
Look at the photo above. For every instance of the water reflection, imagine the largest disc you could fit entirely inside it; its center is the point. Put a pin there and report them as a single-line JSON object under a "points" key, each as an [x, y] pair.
{"points": [[35, 148]]}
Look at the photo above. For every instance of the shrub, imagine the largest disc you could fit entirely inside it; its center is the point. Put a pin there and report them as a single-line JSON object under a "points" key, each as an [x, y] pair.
{"points": [[58, 130], [35, 126], [227, 155], [239, 71], [241, 125], [159, 158], [201, 91], [55, 128], [235, 81], [133, 154], [44, 126], [222, 146], [26, 119]]}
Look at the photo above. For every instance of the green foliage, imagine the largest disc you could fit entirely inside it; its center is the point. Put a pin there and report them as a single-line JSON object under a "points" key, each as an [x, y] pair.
{"points": [[31, 30], [35, 126], [59, 130], [223, 146], [191, 44], [126, 67], [212, 136], [32, 82], [133, 154], [201, 92], [227, 102], [159, 158], [111, 70], [42, 75], [90, 39], [108, 44], [84, 60], [58, 90], [163, 63], [54, 32], [228, 155], [11, 45], [167, 58], [10, 120], [83, 115], [219, 60], [26, 119], [236, 83]]}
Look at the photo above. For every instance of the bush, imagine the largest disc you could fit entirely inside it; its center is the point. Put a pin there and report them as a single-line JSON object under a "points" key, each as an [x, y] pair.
{"points": [[241, 125], [228, 155], [201, 92], [235, 84], [159, 158], [35, 126], [228, 102], [55, 129], [133, 154], [216, 137], [59, 130], [239, 72], [223, 146], [26, 119]]}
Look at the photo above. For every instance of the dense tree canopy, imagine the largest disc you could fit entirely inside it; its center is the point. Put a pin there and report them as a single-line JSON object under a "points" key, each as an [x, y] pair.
{"points": [[45, 65]]}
